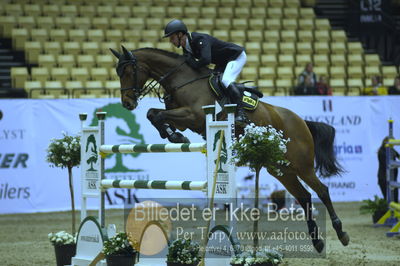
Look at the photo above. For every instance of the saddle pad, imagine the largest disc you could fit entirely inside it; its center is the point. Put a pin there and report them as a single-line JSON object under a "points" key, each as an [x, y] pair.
{"points": [[249, 98]]}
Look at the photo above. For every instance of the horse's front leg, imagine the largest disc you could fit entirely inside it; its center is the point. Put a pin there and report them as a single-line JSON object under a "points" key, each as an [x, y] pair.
{"points": [[166, 122]]}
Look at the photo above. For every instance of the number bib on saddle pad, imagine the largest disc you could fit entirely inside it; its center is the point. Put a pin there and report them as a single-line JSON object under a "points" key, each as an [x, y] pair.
{"points": [[250, 94]]}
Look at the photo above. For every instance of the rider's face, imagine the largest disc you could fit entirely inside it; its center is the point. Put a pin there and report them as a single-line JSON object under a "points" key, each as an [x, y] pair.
{"points": [[177, 39]]}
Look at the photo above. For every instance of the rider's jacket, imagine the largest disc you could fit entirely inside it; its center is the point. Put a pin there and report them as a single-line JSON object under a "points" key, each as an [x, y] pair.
{"points": [[207, 49]]}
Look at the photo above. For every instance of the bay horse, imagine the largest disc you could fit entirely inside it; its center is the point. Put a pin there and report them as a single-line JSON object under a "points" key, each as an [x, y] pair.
{"points": [[188, 90]]}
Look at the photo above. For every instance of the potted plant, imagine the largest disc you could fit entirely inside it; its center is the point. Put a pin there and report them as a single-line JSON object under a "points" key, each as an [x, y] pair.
{"points": [[64, 247], [267, 257], [377, 207], [66, 152], [251, 149], [183, 252], [121, 250]]}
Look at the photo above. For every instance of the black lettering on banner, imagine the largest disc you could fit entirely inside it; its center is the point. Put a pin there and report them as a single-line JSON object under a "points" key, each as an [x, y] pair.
{"points": [[9, 192], [7, 159], [19, 160]]}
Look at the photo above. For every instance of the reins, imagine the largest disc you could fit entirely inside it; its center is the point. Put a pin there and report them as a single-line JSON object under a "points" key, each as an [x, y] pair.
{"points": [[140, 93]]}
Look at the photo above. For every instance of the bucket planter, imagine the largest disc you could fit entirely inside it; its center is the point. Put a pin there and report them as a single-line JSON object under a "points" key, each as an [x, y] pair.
{"points": [[120, 250], [64, 253], [121, 259], [181, 264], [64, 247], [376, 207], [377, 215]]}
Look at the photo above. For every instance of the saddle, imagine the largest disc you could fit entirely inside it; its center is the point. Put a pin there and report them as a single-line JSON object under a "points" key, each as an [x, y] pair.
{"points": [[250, 94]]}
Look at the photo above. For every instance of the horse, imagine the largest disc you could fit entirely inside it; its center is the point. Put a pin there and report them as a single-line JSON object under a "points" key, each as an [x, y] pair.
{"points": [[187, 90]]}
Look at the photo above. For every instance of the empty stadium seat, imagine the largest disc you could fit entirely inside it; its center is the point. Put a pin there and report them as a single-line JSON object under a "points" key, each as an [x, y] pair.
{"points": [[85, 60], [389, 72], [80, 74], [355, 59], [77, 35], [267, 72], [305, 36], [338, 36], [64, 22], [288, 35], [255, 36], [306, 12], [284, 72], [371, 71], [18, 76], [46, 60], [355, 48], [271, 36], [41, 74], [287, 47], [242, 12], [306, 24], [321, 70], [337, 72], [19, 37], [322, 24], [355, 72], [321, 59], [338, 59], [372, 60], [99, 73], [286, 59], [303, 59], [60, 74], [338, 47], [304, 48], [270, 47], [321, 48], [269, 60]]}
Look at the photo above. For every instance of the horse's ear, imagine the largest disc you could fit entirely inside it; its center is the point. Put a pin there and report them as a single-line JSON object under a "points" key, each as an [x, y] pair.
{"points": [[117, 55], [128, 55]]}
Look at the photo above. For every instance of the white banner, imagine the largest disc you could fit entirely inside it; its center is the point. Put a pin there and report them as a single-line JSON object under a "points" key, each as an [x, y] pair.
{"points": [[28, 184]]}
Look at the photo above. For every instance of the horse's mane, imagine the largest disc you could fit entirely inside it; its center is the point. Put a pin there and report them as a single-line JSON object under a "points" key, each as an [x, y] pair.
{"points": [[160, 51]]}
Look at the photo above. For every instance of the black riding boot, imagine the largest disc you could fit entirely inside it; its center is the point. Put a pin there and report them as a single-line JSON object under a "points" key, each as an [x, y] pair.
{"points": [[236, 97]]}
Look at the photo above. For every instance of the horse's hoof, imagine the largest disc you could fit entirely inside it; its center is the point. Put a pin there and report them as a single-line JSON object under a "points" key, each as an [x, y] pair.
{"points": [[318, 245], [345, 239], [177, 137]]}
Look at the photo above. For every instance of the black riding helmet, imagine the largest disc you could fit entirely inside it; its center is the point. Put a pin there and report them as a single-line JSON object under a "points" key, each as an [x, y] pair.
{"points": [[174, 26]]}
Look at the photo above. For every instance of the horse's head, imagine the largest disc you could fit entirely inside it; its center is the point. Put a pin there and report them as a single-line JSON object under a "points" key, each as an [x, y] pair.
{"points": [[132, 78]]}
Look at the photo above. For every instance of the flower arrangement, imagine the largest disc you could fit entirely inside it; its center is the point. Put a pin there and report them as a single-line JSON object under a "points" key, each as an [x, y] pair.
{"points": [[61, 238], [66, 152], [267, 256], [120, 244], [371, 206], [261, 147], [184, 251]]}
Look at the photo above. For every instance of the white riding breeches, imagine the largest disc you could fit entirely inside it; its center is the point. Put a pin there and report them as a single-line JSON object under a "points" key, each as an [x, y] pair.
{"points": [[233, 69]]}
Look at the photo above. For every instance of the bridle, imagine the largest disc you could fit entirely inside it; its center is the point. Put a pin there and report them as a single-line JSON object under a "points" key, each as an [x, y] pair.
{"points": [[139, 93]]}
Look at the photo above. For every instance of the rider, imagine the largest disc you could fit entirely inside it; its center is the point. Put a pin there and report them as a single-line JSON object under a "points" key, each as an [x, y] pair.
{"points": [[201, 49]]}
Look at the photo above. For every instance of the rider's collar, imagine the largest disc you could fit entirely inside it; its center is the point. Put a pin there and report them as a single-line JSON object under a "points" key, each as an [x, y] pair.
{"points": [[188, 48]]}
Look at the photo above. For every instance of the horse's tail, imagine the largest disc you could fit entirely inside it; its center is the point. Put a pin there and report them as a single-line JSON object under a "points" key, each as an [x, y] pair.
{"points": [[326, 162]]}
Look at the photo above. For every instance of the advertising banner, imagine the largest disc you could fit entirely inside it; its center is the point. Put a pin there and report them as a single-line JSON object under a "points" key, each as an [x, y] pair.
{"points": [[29, 184]]}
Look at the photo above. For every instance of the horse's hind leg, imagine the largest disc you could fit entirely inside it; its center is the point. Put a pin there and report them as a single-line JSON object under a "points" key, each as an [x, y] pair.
{"points": [[322, 191], [293, 185]]}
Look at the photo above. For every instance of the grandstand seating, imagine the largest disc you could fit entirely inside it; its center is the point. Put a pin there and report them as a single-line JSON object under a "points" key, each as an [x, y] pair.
{"points": [[69, 42]]}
